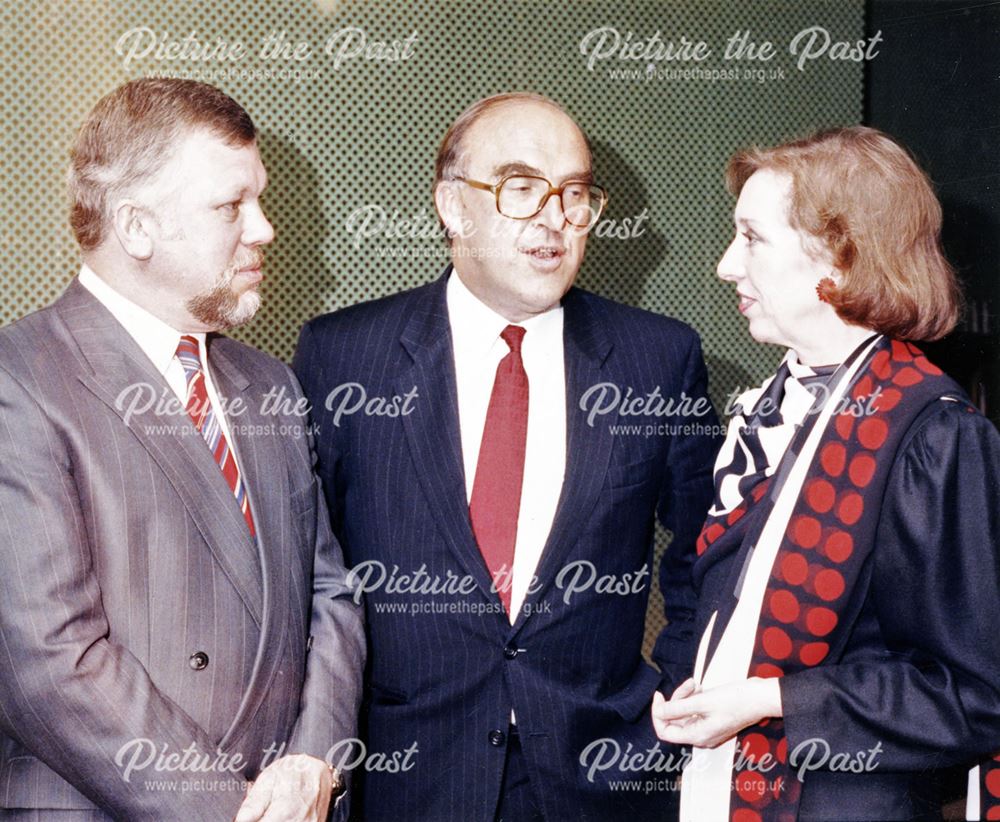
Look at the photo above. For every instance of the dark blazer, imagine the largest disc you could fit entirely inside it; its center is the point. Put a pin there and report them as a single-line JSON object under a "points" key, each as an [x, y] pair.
{"points": [[134, 604], [446, 680], [921, 673], [908, 696]]}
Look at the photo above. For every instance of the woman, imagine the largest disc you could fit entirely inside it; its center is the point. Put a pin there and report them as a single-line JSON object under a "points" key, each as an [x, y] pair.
{"points": [[848, 571]]}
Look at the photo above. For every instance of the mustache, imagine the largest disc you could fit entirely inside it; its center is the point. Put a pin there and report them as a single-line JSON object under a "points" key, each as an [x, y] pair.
{"points": [[255, 259]]}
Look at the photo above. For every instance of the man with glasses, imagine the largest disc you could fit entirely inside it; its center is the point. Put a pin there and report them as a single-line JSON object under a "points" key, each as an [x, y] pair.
{"points": [[498, 519]]}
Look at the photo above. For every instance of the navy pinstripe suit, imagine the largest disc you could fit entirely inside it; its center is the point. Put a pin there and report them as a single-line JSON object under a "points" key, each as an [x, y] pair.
{"points": [[447, 667]]}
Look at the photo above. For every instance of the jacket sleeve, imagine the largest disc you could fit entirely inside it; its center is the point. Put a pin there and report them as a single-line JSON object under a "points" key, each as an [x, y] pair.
{"points": [[310, 367], [683, 504], [331, 695], [931, 698], [82, 704]]}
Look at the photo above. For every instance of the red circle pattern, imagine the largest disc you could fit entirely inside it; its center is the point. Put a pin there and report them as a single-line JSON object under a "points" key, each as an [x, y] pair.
{"points": [[862, 469], [751, 786], [833, 458], [872, 433], [829, 584], [851, 508], [907, 377], [754, 747], [806, 532], [799, 622], [992, 781], [821, 495], [813, 653], [794, 569], [888, 399], [784, 606], [839, 546], [777, 643], [820, 621]]}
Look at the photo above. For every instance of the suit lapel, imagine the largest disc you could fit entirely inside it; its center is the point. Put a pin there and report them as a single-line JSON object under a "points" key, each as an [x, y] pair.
{"points": [[433, 432], [435, 439], [588, 450], [262, 464], [118, 364]]}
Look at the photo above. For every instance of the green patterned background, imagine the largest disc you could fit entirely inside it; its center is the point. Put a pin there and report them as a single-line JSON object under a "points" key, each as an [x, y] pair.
{"points": [[360, 135]]}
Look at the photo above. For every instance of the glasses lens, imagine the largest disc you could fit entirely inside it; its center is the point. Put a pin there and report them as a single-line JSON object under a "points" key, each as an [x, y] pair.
{"points": [[582, 204], [520, 196]]}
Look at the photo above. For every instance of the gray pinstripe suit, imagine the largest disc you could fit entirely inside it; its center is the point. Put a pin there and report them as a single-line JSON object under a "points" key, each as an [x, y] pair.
{"points": [[123, 555]]}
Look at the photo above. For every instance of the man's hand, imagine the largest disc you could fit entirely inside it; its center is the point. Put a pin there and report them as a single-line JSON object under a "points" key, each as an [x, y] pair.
{"points": [[291, 789], [706, 719]]}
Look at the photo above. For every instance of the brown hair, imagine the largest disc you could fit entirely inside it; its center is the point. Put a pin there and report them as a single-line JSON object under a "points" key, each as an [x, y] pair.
{"points": [[451, 155], [866, 199], [128, 137]]}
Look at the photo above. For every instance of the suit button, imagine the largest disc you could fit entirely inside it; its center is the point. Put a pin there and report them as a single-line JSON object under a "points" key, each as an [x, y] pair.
{"points": [[497, 738], [509, 652], [198, 660]]}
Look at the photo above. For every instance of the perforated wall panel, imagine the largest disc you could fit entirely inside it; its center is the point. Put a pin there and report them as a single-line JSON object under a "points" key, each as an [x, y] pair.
{"points": [[345, 135]]}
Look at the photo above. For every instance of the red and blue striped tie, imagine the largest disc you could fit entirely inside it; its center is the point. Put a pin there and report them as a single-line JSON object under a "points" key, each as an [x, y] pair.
{"points": [[205, 420]]}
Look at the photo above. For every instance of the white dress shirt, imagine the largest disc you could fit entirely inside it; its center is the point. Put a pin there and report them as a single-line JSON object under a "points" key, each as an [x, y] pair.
{"points": [[478, 348], [158, 341]]}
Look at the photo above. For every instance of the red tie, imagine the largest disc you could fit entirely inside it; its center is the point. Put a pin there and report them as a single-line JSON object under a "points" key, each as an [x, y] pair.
{"points": [[496, 491], [203, 416]]}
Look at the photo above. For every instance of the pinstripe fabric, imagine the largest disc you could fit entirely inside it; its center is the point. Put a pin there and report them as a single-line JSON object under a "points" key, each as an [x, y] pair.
{"points": [[203, 416], [123, 552], [395, 484]]}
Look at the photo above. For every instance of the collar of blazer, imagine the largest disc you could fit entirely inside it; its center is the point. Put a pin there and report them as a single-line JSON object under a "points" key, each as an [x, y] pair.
{"points": [[255, 568], [435, 440], [116, 363]]}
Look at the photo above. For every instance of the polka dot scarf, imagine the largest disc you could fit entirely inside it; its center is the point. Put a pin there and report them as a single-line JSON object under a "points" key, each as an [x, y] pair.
{"points": [[829, 534]]}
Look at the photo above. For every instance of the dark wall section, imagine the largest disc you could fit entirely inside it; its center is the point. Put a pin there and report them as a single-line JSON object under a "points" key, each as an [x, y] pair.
{"points": [[935, 85]]}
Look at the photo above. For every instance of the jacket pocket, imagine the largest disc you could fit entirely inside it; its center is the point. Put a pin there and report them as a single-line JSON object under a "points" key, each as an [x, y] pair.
{"points": [[27, 782]]}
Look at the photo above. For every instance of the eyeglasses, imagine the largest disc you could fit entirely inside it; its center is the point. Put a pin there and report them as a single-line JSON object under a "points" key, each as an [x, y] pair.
{"points": [[522, 196]]}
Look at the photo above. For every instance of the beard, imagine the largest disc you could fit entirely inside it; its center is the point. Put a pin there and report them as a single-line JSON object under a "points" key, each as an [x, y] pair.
{"points": [[221, 307]]}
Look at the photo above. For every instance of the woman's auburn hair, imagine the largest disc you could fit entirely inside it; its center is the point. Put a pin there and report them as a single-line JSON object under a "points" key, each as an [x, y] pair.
{"points": [[864, 197]]}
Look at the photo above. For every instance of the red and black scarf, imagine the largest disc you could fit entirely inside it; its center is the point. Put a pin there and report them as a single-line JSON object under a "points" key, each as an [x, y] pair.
{"points": [[830, 534], [989, 788]]}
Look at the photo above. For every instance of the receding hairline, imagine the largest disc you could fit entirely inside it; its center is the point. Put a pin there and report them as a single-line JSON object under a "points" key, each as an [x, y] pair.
{"points": [[543, 103], [491, 107], [455, 143]]}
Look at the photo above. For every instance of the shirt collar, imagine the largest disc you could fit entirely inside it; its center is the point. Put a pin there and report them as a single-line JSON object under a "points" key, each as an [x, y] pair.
{"points": [[157, 340], [476, 328]]}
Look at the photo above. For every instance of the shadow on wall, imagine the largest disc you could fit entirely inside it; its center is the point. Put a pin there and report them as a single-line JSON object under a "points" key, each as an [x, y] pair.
{"points": [[727, 380], [298, 277], [624, 250]]}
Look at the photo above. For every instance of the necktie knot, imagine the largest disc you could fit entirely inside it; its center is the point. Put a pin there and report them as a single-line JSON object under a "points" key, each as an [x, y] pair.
{"points": [[189, 356], [513, 335]]}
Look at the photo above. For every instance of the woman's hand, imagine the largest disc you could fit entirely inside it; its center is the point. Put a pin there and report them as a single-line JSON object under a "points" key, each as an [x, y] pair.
{"points": [[708, 718]]}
